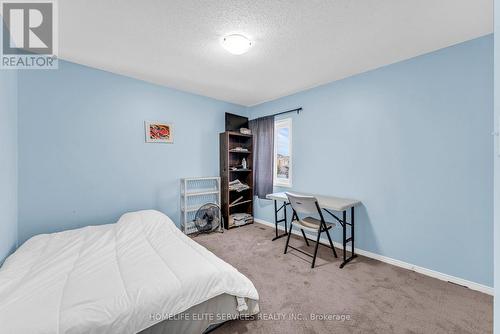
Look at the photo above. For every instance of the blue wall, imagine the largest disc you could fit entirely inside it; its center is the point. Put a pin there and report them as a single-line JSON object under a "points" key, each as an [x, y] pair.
{"points": [[497, 169], [84, 160], [412, 141], [8, 162]]}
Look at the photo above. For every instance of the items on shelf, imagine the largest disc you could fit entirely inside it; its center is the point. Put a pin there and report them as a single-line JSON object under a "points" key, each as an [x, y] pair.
{"points": [[239, 219], [238, 186], [240, 149], [242, 166], [245, 131], [236, 200]]}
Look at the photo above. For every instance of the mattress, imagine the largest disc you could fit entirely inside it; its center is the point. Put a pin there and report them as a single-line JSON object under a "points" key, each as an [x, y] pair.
{"points": [[205, 316], [112, 278]]}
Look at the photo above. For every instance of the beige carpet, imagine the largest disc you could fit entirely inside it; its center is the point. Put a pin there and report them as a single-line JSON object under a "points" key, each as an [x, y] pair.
{"points": [[367, 296]]}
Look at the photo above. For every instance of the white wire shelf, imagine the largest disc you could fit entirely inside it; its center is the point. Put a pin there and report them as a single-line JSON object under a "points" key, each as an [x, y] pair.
{"points": [[192, 208], [196, 192], [201, 193]]}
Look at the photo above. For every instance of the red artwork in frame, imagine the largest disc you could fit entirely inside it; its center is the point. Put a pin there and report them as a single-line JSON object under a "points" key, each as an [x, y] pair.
{"points": [[159, 132]]}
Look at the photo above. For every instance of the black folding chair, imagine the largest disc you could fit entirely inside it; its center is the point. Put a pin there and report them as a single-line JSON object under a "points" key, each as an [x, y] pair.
{"points": [[308, 205]]}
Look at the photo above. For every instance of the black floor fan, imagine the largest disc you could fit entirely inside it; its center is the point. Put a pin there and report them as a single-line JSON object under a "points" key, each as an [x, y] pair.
{"points": [[208, 219]]}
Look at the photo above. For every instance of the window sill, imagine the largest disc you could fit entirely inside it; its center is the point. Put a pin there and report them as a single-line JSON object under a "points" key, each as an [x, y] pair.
{"points": [[282, 185]]}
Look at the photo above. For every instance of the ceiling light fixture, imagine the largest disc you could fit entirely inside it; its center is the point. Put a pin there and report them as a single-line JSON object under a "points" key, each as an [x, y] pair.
{"points": [[236, 44]]}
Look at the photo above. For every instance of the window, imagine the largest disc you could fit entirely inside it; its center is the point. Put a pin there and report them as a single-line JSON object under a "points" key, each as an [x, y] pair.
{"points": [[283, 152]]}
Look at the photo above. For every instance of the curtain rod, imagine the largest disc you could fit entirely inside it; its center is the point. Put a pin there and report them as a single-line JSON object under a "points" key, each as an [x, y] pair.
{"points": [[298, 110]]}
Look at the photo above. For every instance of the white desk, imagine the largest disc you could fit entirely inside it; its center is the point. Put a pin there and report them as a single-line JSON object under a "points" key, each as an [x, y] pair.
{"points": [[325, 202], [328, 204]]}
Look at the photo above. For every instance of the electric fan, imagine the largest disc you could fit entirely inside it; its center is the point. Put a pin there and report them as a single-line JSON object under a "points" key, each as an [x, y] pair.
{"points": [[208, 218]]}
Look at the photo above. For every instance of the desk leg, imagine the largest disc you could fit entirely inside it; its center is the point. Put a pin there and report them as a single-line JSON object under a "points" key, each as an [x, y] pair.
{"points": [[352, 233], [277, 221], [345, 240]]}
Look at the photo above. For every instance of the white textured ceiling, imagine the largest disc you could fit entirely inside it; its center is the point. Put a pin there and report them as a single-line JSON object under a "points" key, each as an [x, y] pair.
{"points": [[298, 43]]}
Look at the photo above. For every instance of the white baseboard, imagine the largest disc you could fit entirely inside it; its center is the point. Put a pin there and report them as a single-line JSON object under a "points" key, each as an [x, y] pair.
{"points": [[428, 272]]}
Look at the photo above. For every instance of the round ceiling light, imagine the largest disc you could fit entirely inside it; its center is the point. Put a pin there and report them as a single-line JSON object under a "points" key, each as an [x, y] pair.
{"points": [[236, 44]]}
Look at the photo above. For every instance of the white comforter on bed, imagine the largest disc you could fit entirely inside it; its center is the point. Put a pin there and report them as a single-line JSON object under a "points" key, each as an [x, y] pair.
{"points": [[110, 278]]}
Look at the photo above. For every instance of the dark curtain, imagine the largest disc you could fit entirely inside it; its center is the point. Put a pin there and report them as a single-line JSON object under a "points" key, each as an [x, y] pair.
{"points": [[263, 160]]}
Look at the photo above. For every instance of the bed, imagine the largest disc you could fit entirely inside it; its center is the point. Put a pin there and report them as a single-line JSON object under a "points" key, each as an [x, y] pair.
{"points": [[140, 274]]}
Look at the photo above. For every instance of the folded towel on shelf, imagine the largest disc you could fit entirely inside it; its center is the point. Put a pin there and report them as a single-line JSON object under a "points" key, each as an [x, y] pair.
{"points": [[239, 219], [238, 186]]}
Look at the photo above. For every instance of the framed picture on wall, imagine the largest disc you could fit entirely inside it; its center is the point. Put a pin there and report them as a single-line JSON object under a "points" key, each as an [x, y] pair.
{"points": [[159, 132]]}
